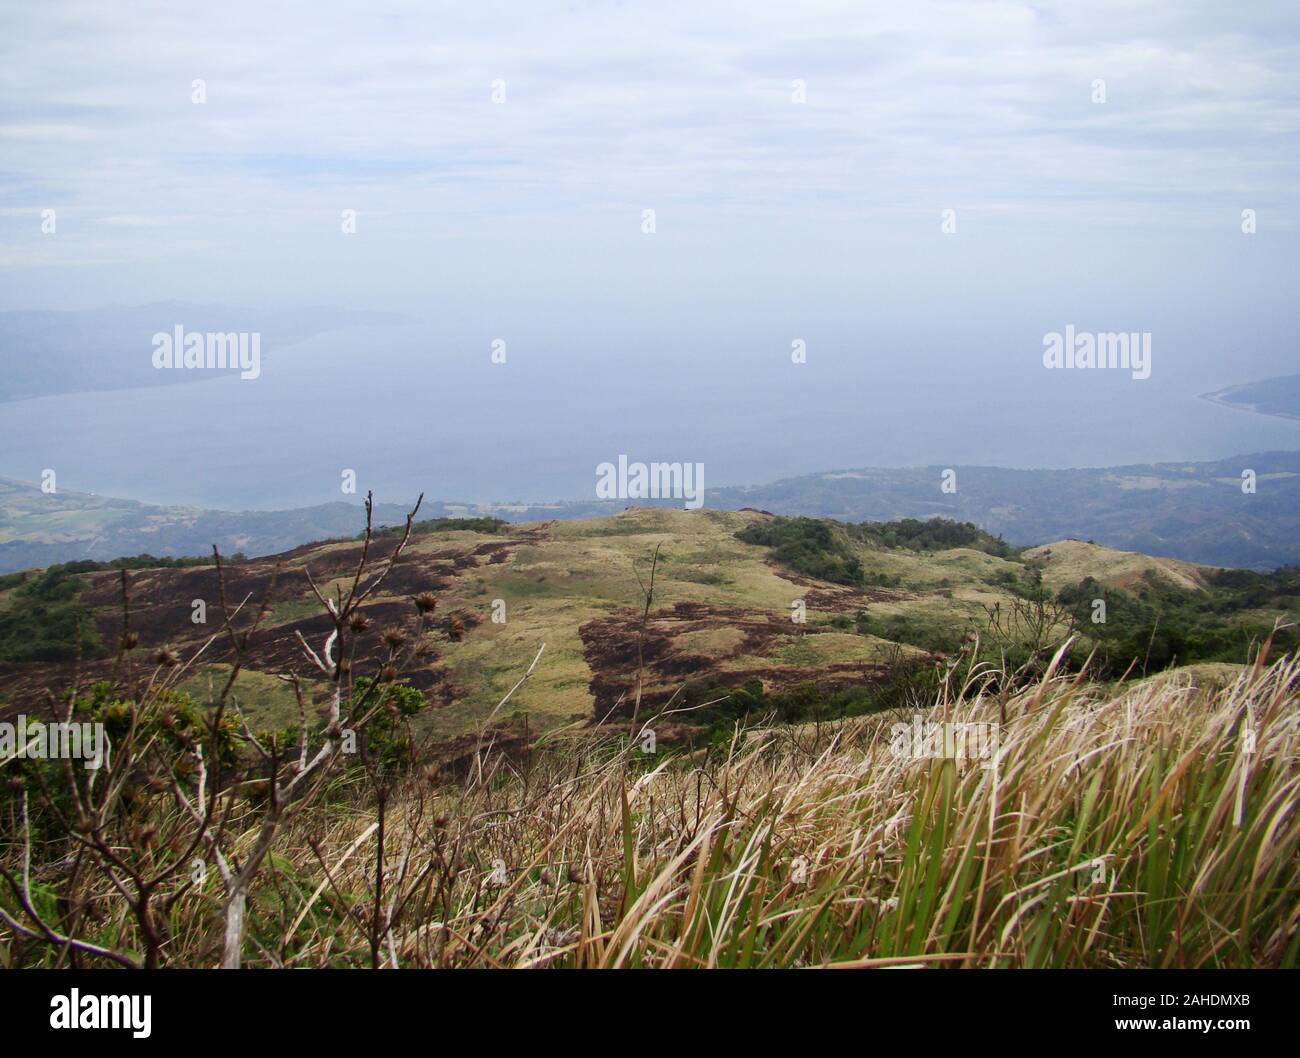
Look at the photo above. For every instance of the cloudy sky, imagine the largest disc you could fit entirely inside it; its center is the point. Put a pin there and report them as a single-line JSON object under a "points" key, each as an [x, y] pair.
{"points": [[985, 108], [1096, 159]]}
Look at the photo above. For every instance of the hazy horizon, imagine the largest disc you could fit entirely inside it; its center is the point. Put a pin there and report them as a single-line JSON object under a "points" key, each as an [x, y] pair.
{"points": [[917, 194]]}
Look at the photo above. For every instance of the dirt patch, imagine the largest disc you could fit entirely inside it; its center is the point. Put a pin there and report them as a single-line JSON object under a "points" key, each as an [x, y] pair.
{"points": [[838, 598], [614, 645]]}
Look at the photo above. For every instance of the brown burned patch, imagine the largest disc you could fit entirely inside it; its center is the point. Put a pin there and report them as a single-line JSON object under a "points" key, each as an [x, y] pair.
{"points": [[835, 676], [838, 598], [160, 606], [454, 759], [614, 646]]}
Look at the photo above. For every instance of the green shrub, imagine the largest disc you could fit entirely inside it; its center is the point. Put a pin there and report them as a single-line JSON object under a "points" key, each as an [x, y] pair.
{"points": [[811, 546], [936, 534], [43, 622], [1159, 624]]}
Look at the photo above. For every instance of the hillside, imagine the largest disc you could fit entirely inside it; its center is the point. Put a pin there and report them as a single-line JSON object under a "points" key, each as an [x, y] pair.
{"points": [[879, 604], [912, 772], [1067, 562], [1196, 512], [1138, 826]]}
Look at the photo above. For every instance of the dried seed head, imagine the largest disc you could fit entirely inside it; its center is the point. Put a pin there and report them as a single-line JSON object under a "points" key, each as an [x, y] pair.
{"points": [[456, 629], [426, 602], [395, 638], [167, 658], [358, 622], [388, 673], [130, 641], [144, 837]]}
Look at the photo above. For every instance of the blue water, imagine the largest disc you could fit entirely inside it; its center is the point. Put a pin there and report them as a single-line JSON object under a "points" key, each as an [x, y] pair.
{"points": [[410, 409]]}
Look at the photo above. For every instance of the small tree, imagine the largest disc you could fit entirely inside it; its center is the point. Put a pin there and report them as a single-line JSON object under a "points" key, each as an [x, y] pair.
{"points": [[161, 751]]}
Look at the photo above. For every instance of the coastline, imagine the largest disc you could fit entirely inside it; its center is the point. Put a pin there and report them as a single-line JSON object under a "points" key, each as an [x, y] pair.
{"points": [[1222, 397]]}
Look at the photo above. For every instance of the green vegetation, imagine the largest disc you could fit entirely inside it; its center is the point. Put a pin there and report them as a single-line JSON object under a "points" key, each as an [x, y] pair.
{"points": [[1158, 624], [1146, 835], [811, 546], [935, 534], [1152, 623], [174, 722], [87, 565], [914, 630], [443, 525], [818, 547], [44, 622], [1248, 589], [387, 744]]}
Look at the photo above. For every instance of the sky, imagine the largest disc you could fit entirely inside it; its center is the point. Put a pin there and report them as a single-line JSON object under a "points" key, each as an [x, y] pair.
{"points": [[918, 190], [985, 108]]}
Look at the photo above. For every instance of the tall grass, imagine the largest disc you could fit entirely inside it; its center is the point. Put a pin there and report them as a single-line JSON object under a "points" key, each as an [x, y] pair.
{"points": [[1148, 824]]}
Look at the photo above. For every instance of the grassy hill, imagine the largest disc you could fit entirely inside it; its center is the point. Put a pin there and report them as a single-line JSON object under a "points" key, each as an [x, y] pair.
{"points": [[749, 741], [796, 616]]}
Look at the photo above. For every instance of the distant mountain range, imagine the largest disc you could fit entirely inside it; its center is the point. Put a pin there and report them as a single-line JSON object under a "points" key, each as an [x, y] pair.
{"points": [[1197, 512]]}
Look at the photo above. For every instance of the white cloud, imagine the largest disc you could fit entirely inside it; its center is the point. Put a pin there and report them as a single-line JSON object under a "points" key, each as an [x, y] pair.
{"points": [[313, 108]]}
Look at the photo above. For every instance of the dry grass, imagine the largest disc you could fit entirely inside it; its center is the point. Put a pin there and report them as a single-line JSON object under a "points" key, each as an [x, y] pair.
{"points": [[1130, 827], [1066, 562]]}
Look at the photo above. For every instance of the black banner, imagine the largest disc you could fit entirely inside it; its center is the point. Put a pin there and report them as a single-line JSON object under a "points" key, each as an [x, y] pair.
{"points": [[343, 1007]]}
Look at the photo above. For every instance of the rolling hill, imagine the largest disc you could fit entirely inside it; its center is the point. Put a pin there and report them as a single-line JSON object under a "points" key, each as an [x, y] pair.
{"points": [[1111, 782], [725, 614]]}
